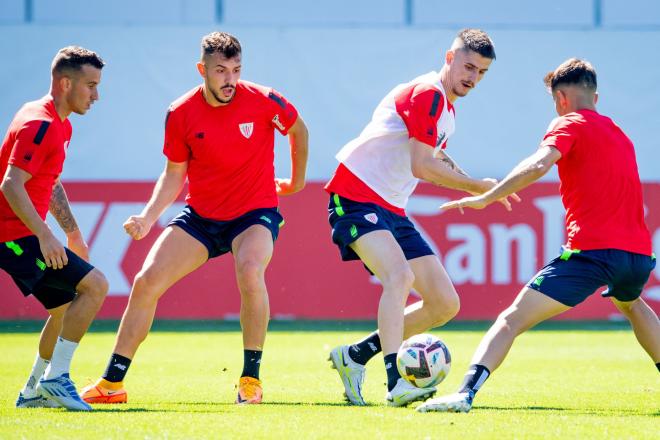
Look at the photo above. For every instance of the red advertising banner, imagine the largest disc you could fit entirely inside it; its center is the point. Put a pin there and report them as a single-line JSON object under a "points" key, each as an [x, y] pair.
{"points": [[489, 255]]}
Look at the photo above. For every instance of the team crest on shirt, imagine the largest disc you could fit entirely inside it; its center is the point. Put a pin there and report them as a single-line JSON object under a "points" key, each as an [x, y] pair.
{"points": [[371, 217], [246, 129]]}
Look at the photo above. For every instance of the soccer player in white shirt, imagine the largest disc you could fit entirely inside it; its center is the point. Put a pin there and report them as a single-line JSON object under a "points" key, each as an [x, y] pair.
{"points": [[378, 171]]}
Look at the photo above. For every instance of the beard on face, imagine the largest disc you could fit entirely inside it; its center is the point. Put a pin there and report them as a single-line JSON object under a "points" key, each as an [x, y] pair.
{"points": [[224, 100]]}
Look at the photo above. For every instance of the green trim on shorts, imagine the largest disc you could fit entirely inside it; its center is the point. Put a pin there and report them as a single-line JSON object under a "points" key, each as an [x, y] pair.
{"points": [[15, 247], [338, 208], [281, 223], [566, 253], [41, 264]]}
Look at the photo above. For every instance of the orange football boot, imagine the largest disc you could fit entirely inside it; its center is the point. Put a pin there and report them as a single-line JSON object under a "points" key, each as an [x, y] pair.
{"points": [[104, 392], [249, 390]]}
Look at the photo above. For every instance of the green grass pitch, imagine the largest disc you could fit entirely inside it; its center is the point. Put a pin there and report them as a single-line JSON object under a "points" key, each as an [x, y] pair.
{"points": [[561, 381]]}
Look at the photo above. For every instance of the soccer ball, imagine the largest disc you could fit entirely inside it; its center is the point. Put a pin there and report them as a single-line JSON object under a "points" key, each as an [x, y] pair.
{"points": [[423, 360]]}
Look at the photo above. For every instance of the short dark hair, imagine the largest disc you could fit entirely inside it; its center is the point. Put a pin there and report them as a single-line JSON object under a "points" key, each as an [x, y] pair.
{"points": [[572, 71], [72, 58], [221, 42], [477, 41]]}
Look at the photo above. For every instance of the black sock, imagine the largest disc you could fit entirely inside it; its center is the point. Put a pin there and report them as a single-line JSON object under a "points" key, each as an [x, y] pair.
{"points": [[117, 368], [364, 350], [392, 372], [251, 363], [658, 366], [474, 378]]}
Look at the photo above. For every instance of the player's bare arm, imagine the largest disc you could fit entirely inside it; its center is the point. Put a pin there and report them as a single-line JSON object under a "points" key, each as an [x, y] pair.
{"points": [[165, 192], [60, 209], [13, 188], [528, 171], [450, 162], [441, 172], [299, 144]]}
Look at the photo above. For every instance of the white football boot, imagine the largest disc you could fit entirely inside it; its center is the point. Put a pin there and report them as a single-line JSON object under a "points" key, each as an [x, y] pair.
{"points": [[457, 402], [352, 374], [404, 393], [62, 390]]}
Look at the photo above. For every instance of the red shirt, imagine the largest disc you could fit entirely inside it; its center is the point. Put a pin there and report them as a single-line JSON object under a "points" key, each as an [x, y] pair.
{"points": [[600, 185], [229, 149], [36, 142]]}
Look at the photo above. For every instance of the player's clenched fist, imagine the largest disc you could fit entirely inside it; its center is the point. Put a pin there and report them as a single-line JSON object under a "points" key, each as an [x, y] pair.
{"points": [[137, 227]]}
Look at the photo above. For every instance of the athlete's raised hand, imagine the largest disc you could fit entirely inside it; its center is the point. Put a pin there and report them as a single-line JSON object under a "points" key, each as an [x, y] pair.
{"points": [[52, 250], [137, 227]]}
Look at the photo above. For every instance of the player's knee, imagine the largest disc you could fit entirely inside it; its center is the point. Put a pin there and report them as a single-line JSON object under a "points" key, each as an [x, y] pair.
{"points": [[445, 311], [510, 322], [399, 280], [250, 273], [94, 286], [145, 286]]}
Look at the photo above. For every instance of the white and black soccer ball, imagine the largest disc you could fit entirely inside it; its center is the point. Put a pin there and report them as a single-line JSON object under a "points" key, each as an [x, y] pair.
{"points": [[423, 360]]}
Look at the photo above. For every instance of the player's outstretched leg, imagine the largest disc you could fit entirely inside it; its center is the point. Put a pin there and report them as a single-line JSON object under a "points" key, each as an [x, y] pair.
{"points": [[174, 255], [645, 324], [528, 309]]}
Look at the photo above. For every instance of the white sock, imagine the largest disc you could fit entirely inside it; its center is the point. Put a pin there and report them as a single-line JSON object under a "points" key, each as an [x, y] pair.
{"points": [[61, 361], [38, 369]]}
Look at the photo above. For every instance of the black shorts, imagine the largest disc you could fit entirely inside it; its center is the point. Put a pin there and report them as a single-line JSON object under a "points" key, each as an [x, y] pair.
{"points": [[217, 236], [350, 220], [23, 261], [574, 275]]}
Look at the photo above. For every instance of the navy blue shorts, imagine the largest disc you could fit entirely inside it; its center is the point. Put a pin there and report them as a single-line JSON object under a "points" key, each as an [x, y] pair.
{"points": [[574, 275], [217, 236], [23, 261], [351, 220]]}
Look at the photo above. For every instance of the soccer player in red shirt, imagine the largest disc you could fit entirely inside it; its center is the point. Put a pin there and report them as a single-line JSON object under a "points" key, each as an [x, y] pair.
{"points": [[72, 290], [404, 142], [220, 135], [608, 242]]}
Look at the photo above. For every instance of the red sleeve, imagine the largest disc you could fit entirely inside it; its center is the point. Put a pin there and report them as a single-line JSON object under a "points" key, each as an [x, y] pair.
{"points": [[561, 134], [284, 113], [31, 147], [420, 108], [175, 147]]}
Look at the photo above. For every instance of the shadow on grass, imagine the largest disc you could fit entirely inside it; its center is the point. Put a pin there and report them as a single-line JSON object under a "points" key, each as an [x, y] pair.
{"points": [[572, 411], [101, 326], [210, 407]]}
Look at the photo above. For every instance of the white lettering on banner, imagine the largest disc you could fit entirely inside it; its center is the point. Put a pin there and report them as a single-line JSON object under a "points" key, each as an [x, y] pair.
{"points": [[553, 225], [110, 245], [502, 238], [472, 252], [109, 248]]}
